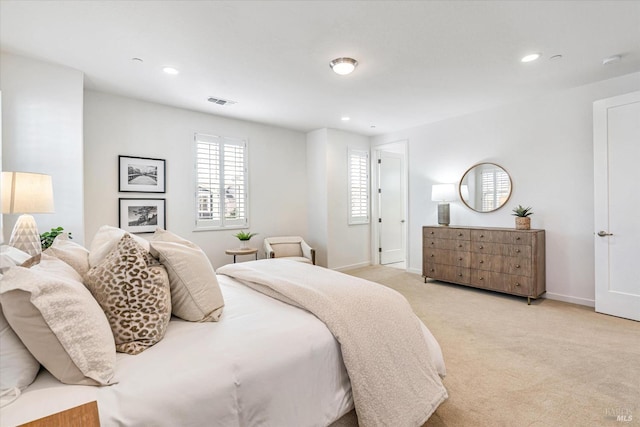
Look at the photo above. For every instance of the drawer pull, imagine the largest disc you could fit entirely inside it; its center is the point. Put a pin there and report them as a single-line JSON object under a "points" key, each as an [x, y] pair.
{"points": [[482, 278], [482, 236], [432, 270], [432, 232], [460, 259], [459, 246], [517, 284], [481, 261], [480, 247], [433, 243], [517, 265], [432, 255], [459, 274], [517, 251], [517, 238]]}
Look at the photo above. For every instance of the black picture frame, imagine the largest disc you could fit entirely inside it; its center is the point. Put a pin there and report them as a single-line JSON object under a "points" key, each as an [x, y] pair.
{"points": [[141, 175], [142, 215]]}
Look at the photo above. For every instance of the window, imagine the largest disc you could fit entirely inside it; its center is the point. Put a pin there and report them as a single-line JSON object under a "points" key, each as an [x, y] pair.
{"points": [[221, 182], [495, 188], [358, 187]]}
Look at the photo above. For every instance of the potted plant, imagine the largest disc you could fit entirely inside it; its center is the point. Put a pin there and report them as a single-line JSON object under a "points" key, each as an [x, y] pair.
{"points": [[47, 238], [523, 222], [244, 237]]}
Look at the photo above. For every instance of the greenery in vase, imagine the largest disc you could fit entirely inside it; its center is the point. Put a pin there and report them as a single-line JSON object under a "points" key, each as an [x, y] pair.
{"points": [[522, 211], [46, 238], [242, 235]]}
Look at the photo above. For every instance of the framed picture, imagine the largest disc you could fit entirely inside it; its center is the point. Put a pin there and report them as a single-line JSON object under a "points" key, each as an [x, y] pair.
{"points": [[141, 175], [142, 215]]}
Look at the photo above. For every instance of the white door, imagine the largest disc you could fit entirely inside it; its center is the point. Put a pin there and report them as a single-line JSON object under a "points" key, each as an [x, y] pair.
{"points": [[616, 132], [391, 219]]}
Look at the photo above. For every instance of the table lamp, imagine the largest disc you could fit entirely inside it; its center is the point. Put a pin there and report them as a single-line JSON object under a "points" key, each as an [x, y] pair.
{"points": [[442, 193], [26, 193]]}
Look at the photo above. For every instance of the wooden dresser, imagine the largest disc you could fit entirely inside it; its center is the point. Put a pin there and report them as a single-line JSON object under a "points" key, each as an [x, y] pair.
{"points": [[498, 259]]}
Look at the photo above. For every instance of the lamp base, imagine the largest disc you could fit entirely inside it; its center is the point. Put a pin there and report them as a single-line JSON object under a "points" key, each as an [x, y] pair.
{"points": [[25, 235], [443, 214]]}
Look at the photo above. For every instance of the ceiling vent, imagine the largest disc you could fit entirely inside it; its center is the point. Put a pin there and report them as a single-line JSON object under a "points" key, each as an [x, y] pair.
{"points": [[219, 101]]}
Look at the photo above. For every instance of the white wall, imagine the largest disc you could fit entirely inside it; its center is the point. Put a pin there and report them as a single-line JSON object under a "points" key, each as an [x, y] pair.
{"points": [[340, 245], [546, 145], [121, 126], [42, 132]]}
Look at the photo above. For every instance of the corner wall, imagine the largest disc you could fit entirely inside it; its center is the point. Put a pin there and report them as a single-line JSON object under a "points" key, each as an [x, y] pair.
{"points": [[42, 128], [546, 145]]}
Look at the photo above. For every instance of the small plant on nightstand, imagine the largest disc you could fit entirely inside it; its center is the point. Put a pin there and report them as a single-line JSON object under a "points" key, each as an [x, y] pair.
{"points": [[47, 238], [523, 222], [244, 237]]}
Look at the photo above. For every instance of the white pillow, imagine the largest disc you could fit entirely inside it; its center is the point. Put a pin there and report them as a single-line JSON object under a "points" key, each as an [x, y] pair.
{"points": [[195, 293], [106, 240], [60, 323], [10, 257], [18, 368], [77, 256]]}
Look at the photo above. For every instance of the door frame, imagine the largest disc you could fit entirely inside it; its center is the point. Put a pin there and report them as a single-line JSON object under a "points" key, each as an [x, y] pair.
{"points": [[400, 147]]}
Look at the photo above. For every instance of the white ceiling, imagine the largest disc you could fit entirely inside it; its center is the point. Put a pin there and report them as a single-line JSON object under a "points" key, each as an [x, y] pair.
{"points": [[419, 61]]}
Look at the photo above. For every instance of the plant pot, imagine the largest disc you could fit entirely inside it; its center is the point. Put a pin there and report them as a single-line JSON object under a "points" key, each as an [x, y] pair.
{"points": [[244, 244], [523, 223]]}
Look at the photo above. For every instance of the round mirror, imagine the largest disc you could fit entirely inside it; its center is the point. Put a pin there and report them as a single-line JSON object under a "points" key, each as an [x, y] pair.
{"points": [[485, 187]]}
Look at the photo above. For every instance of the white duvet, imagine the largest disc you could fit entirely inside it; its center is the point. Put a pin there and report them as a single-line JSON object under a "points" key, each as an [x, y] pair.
{"points": [[265, 363]]}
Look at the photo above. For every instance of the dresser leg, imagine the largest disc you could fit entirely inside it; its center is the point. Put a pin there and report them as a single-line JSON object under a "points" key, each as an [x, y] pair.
{"points": [[528, 300], [425, 279]]}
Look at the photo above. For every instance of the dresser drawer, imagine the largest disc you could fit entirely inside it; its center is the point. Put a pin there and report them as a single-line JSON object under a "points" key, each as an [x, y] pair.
{"points": [[446, 273], [451, 245], [520, 266], [512, 284], [499, 236], [442, 256], [501, 249], [446, 233]]}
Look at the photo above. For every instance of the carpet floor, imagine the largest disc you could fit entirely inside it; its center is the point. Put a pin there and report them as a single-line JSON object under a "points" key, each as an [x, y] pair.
{"points": [[511, 364]]}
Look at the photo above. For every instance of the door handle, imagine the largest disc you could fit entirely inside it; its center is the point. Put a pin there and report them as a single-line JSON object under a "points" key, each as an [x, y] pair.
{"points": [[604, 233]]}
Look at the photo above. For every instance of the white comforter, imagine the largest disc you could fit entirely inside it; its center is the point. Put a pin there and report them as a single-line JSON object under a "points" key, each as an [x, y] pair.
{"points": [[265, 363], [393, 377]]}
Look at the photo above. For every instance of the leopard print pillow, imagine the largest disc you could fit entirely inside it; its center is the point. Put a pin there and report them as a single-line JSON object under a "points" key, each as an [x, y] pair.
{"points": [[134, 293]]}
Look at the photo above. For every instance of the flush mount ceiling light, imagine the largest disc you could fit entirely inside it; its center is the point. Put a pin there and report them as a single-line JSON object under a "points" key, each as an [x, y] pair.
{"points": [[345, 118], [343, 66], [170, 70], [531, 57]]}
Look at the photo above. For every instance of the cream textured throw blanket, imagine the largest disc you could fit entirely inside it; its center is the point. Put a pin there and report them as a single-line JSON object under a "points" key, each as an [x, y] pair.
{"points": [[393, 379]]}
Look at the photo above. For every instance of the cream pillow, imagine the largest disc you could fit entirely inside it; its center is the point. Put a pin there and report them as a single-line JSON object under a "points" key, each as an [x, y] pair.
{"points": [[10, 257], [77, 256], [134, 296], [60, 323], [18, 368], [195, 294], [105, 240]]}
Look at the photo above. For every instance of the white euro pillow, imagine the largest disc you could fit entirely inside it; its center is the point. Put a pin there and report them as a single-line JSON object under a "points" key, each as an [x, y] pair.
{"points": [[106, 240]]}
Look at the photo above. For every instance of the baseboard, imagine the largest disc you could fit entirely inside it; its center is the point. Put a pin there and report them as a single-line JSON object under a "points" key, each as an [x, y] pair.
{"points": [[567, 298], [415, 271], [352, 266]]}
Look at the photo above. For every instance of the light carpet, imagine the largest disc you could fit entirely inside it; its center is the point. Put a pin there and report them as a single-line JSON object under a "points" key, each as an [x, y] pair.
{"points": [[510, 364]]}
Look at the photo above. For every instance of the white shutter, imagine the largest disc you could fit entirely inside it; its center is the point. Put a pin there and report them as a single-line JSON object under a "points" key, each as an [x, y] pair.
{"points": [[221, 182], [358, 175]]}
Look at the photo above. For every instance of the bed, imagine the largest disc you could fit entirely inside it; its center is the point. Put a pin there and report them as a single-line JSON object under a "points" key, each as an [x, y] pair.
{"points": [[265, 362]]}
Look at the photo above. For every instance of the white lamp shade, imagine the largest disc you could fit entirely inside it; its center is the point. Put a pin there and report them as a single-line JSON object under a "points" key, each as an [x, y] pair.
{"points": [[443, 192], [24, 192]]}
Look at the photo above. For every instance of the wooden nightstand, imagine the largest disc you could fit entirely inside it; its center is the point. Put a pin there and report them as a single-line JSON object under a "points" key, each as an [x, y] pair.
{"points": [[241, 251], [81, 416]]}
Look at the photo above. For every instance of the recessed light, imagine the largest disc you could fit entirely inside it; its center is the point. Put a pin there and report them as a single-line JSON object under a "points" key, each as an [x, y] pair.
{"points": [[343, 66], [555, 57], [137, 59], [345, 118], [531, 57], [170, 70]]}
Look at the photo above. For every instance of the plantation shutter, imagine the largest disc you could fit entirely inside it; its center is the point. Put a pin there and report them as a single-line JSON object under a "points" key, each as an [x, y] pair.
{"points": [[221, 182], [358, 173], [495, 188]]}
